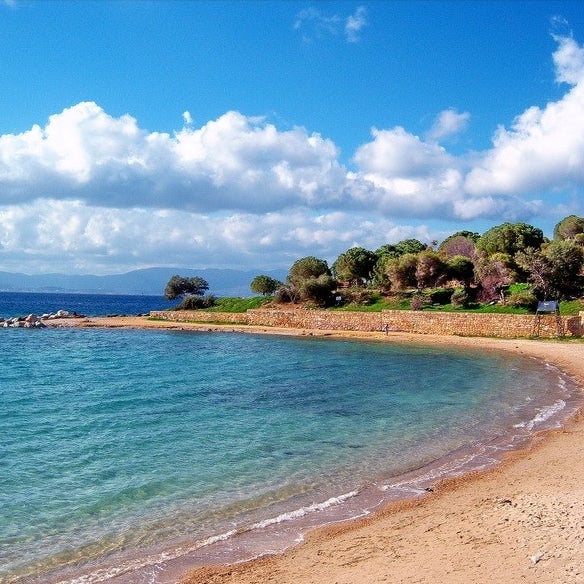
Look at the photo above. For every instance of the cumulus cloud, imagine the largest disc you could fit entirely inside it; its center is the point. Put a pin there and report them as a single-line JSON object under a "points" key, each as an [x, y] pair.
{"points": [[70, 236], [543, 150], [569, 61], [234, 162], [90, 189], [448, 123]]}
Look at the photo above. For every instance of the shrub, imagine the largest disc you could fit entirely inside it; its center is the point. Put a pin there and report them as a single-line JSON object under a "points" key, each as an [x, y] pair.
{"points": [[522, 299], [441, 295], [460, 298], [419, 301], [196, 302]]}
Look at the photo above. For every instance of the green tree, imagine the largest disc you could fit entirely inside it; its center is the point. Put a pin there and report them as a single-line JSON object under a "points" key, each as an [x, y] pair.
{"points": [[264, 284], [401, 271], [307, 268], [355, 265], [309, 280], [569, 228], [180, 287], [509, 238], [553, 272], [461, 268]]}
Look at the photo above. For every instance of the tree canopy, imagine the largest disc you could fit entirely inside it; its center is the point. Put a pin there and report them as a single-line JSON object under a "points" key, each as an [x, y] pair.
{"points": [[355, 265], [264, 284], [509, 238], [180, 287]]}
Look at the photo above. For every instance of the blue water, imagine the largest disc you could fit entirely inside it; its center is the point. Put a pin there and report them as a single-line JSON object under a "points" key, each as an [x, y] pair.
{"points": [[22, 303], [137, 453]]}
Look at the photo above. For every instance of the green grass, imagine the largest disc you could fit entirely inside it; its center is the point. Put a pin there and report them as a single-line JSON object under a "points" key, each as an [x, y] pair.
{"points": [[229, 304]]}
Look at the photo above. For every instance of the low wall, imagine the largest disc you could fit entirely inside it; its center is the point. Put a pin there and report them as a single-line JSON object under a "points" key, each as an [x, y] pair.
{"points": [[441, 323], [200, 316]]}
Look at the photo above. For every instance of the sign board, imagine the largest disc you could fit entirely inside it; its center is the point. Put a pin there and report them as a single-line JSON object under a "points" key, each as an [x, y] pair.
{"points": [[548, 306]]}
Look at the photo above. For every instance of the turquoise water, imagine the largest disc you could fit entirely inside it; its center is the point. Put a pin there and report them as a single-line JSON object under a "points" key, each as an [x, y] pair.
{"points": [[137, 453]]}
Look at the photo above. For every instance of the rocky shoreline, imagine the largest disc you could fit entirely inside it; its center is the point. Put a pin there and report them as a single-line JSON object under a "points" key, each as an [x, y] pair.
{"points": [[35, 321]]}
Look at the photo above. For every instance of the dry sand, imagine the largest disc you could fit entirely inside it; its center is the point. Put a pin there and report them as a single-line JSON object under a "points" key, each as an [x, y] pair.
{"points": [[520, 522]]}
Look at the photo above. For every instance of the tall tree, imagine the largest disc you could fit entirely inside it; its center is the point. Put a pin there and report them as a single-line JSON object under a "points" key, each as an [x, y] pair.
{"points": [[569, 228], [306, 268], [509, 238], [355, 265], [431, 270]]}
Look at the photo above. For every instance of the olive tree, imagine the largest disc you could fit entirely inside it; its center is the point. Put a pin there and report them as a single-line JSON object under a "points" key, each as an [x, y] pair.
{"points": [[180, 287]]}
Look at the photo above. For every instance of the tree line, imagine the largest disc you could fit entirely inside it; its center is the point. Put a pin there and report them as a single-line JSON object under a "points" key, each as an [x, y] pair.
{"points": [[466, 267], [469, 266]]}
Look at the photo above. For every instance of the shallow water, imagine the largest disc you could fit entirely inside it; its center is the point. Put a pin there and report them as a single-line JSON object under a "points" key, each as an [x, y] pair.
{"points": [[136, 453]]}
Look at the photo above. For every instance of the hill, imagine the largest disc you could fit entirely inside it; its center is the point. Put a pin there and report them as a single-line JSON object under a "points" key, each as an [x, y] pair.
{"points": [[149, 281]]}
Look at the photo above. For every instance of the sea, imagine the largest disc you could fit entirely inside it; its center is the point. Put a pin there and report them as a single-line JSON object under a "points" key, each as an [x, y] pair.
{"points": [[130, 456]]}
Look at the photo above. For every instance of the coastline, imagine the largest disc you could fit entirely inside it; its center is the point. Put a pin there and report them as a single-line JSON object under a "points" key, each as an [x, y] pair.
{"points": [[521, 520]]}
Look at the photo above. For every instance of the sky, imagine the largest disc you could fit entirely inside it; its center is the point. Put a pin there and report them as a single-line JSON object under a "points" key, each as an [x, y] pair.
{"points": [[249, 134]]}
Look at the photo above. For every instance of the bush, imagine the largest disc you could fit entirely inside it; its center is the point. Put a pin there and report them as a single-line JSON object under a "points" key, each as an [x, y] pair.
{"points": [[460, 298], [358, 296], [441, 295], [522, 299], [196, 302], [419, 301]]}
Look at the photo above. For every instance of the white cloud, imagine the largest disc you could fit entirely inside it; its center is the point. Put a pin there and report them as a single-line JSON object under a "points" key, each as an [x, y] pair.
{"points": [[569, 61], [448, 123], [544, 148], [355, 23], [188, 119], [313, 23], [92, 192], [69, 236]]}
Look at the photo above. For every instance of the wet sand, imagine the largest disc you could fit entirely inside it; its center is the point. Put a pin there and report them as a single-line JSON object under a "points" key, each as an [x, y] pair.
{"points": [[522, 521]]}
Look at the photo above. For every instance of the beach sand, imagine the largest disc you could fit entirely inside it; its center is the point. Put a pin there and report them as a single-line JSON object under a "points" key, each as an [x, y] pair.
{"points": [[522, 521]]}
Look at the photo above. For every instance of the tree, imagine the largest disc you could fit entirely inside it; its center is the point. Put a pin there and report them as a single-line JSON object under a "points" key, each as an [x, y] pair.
{"points": [[461, 268], [309, 280], [318, 290], [459, 245], [401, 271], [307, 268], [180, 287], [493, 273], [431, 271], [554, 271], [355, 265], [265, 285], [569, 228], [509, 238]]}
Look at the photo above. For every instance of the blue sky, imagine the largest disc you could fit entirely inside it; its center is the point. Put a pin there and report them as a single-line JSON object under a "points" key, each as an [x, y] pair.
{"points": [[249, 134]]}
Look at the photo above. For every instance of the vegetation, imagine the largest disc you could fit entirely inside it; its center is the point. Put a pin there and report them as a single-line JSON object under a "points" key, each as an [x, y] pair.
{"points": [[509, 268], [265, 285], [191, 291]]}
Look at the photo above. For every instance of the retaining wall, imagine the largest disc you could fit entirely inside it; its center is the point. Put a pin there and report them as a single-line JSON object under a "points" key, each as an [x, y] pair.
{"points": [[410, 321]]}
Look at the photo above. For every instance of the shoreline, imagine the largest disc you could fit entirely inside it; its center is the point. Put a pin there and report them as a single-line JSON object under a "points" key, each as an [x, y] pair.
{"points": [[520, 520]]}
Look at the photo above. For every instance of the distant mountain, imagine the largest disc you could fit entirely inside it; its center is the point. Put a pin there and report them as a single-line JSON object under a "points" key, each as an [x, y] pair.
{"points": [[150, 281]]}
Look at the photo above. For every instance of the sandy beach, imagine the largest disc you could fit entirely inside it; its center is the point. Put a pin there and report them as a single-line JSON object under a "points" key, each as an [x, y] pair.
{"points": [[522, 521]]}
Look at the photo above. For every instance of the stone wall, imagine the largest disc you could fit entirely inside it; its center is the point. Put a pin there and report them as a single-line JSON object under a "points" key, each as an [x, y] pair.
{"points": [[421, 322], [200, 316]]}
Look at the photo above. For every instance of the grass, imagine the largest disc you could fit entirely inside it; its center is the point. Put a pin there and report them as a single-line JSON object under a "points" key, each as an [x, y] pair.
{"points": [[229, 304]]}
